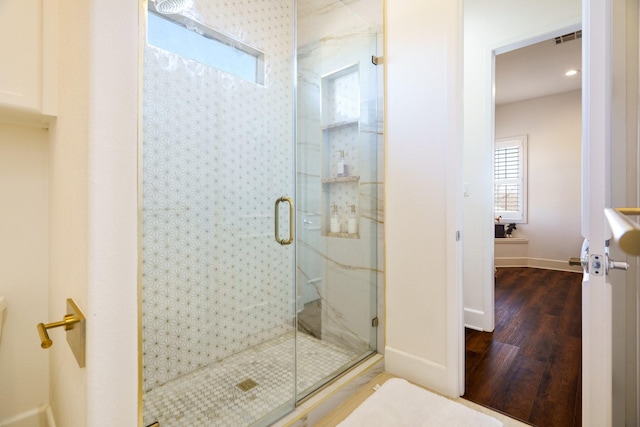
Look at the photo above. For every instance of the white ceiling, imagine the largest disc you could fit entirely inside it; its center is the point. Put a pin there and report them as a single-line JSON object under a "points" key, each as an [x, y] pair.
{"points": [[530, 72], [537, 70]]}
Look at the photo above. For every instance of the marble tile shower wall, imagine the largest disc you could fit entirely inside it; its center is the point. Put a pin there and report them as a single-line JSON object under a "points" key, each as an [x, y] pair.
{"points": [[216, 155], [349, 269]]}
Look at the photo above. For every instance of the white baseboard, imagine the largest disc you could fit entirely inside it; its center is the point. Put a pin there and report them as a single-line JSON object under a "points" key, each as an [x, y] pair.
{"points": [[50, 421], [37, 417], [548, 264], [473, 319], [511, 262], [417, 370]]}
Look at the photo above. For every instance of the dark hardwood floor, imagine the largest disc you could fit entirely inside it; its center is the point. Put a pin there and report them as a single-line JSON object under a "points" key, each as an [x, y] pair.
{"points": [[529, 366]]}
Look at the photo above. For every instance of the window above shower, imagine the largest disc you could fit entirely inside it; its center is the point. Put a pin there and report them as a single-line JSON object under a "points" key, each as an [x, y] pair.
{"points": [[192, 40]]}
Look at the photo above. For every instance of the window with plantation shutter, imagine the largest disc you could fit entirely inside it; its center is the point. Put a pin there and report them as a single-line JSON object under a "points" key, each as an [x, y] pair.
{"points": [[510, 179]]}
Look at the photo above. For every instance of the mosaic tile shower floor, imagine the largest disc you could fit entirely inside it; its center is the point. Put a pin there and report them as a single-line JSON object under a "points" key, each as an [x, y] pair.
{"points": [[210, 397]]}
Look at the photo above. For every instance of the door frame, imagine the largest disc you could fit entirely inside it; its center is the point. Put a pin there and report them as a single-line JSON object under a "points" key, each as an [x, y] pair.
{"points": [[596, 195], [596, 331]]}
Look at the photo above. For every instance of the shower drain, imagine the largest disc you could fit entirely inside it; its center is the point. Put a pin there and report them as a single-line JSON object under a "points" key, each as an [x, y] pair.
{"points": [[247, 384]]}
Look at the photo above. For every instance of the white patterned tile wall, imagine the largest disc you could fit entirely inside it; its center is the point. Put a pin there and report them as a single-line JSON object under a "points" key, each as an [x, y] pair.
{"points": [[343, 105], [217, 153]]}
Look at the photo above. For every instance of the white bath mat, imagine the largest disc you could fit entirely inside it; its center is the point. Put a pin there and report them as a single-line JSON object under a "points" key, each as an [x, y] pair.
{"points": [[399, 403]]}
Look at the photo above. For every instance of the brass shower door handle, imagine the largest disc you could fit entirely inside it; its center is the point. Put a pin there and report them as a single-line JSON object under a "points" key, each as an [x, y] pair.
{"points": [[289, 200]]}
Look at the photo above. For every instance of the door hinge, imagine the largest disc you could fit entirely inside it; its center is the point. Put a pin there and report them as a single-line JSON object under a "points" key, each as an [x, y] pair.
{"points": [[458, 236], [374, 322]]}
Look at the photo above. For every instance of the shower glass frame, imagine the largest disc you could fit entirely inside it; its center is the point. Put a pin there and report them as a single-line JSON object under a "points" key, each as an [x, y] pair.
{"points": [[354, 340]]}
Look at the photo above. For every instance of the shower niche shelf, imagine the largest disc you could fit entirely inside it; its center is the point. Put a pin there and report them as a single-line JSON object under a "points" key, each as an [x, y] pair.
{"points": [[340, 179], [355, 122], [341, 149], [343, 235]]}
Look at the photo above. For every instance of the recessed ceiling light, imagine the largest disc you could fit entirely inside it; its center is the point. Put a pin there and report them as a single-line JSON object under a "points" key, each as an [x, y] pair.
{"points": [[571, 72]]}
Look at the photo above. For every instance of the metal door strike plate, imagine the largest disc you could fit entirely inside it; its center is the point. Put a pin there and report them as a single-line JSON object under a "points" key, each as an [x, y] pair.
{"points": [[596, 265]]}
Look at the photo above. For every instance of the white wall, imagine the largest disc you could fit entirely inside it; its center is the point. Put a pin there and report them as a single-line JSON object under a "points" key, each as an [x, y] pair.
{"points": [[68, 209], [490, 25], [423, 56], [24, 365], [553, 126], [93, 211]]}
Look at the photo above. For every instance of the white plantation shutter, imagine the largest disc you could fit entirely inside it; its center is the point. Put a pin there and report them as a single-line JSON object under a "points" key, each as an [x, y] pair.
{"points": [[510, 183]]}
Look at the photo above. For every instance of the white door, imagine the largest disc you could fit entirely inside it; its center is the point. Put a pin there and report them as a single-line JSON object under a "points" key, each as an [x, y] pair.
{"points": [[596, 288]]}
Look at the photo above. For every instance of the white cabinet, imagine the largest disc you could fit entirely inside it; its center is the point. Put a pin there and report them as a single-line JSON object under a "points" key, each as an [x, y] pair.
{"points": [[27, 61]]}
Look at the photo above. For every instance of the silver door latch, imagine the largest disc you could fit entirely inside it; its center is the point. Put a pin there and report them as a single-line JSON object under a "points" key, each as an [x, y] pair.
{"points": [[599, 265]]}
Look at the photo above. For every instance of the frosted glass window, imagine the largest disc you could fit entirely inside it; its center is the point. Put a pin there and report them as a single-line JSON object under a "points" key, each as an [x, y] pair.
{"points": [[197, 42]]}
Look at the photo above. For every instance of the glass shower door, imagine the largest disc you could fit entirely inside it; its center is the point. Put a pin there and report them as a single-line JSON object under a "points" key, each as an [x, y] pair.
{"points": [[338, 142], [218, 292]]}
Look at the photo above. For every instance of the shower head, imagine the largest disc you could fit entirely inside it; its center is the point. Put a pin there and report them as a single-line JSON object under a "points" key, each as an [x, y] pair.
{"points": [[173, 6]]}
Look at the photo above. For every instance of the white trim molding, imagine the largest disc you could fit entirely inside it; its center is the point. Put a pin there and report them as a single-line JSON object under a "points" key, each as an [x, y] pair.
{"points": [[474, 319], [416, 369], [41, 416], [547, 264]]}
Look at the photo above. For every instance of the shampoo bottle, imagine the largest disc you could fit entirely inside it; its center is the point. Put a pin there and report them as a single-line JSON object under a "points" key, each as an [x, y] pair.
{"points": [[353, 221], [335, 220]]}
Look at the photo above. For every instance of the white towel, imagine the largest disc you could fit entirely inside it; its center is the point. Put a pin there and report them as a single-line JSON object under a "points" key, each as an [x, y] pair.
{"points": [[399, 403]]}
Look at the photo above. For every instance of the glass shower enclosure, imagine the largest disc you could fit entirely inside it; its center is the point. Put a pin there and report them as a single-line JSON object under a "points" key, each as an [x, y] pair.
{"points": [[260, 207]]}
